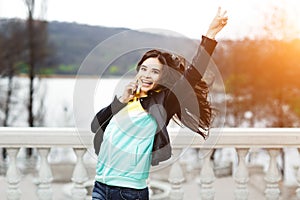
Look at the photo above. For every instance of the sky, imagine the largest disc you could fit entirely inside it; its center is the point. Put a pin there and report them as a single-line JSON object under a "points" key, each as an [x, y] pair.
{"points": [[189, 18]]}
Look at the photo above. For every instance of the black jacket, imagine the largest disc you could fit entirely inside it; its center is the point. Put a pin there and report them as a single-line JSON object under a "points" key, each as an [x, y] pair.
{"points": [[161, 105]]}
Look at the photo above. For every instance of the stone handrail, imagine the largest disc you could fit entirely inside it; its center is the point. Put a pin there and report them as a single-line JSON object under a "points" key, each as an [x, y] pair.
{"points": [[226, 137], [242, 138], [44, 137]]}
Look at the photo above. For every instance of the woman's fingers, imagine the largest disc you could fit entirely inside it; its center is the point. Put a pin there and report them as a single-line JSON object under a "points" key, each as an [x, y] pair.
{"points": [[221, 16], [130, 89], [128, 92], [224, 13], [220, 13], [133, 87]]}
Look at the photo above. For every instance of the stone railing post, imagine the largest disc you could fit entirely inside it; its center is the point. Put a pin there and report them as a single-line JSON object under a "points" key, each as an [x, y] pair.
{"points": [[13, 175], [44, 191], [241, 176], [80, 176], [176, 178], [207, 177], [298, 179], [273, 176]]}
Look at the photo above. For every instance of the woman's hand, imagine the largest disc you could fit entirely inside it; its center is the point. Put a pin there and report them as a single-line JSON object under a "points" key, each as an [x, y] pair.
{"points": [[129, 92], [217, 24]]}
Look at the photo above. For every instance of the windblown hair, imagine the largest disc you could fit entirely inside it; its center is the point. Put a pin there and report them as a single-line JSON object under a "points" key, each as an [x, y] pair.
{"points": [[198, 120]]}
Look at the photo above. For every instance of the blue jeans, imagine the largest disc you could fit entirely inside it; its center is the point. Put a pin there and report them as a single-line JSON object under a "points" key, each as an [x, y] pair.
{"points": [[105, 192]]}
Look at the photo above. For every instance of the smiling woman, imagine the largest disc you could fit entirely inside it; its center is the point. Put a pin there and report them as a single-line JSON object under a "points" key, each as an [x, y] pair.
{"points": [[131, 133]]}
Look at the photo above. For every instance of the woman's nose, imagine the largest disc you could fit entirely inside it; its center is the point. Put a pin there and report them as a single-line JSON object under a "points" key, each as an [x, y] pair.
{"points": [[147, 73]]}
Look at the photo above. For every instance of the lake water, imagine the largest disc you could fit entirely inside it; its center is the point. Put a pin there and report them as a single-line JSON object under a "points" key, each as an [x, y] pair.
{"points": [[58, 96]]}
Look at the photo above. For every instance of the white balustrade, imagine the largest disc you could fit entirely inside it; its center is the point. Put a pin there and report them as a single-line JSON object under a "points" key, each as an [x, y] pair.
{"points": [[207, 177], [241, 176], [176, 177], [271, 139], [44, 191], [273, 176], [80, 176], [13, 175], [298, 179]]}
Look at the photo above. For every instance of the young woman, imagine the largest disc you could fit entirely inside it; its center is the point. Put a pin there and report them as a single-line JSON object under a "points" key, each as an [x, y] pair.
{"points": [[131, 133]]}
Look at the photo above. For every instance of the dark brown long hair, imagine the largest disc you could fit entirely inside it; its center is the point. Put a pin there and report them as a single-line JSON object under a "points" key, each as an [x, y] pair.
{"points": [[165, 58], [198, 120], [172, 69]]}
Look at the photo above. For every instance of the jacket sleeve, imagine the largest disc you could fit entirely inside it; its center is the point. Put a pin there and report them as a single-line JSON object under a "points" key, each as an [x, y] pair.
{"points": [[104, 115], [193, 74], [200, 61]]}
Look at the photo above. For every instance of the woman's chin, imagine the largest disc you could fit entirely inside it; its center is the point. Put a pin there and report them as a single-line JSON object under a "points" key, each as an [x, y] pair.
{"points": [[145, 89]]}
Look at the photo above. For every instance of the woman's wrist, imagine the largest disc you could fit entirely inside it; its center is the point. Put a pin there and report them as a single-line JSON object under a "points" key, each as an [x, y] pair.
{"points": [[123, 100], [211, 34]]}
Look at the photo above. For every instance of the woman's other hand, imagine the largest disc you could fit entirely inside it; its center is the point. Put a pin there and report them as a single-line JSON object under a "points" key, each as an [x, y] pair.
{"points": [[217, 24], [129, 92]]}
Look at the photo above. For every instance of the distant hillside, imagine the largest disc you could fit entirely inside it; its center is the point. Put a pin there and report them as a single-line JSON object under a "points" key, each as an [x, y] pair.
{"points": [[71, 43]]}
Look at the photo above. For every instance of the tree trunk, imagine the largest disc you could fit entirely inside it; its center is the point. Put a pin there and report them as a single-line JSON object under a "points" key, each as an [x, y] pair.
{"points": [[31, 73]]}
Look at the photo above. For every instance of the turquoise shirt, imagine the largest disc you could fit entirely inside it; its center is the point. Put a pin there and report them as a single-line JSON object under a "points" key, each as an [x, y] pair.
{"points": [[125, 154]]}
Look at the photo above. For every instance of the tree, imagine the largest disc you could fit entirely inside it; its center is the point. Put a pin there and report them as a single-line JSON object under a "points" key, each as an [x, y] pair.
{"points": [[262, 75], [12, 46], [37, 52]]}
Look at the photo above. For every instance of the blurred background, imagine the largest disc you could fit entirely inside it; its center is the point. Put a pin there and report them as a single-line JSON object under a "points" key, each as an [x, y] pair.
{"points": [[43, 43]]}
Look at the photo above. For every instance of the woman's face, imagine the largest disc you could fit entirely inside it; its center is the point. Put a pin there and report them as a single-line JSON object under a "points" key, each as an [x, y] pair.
{"points": [[149, 74]]}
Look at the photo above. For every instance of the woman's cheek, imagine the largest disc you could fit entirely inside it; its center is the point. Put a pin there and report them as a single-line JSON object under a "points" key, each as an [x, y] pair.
{"points": [[157, 77]]}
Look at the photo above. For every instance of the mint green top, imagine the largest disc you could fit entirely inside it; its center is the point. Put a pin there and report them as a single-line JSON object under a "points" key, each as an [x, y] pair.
{"points": [[125, 154]]}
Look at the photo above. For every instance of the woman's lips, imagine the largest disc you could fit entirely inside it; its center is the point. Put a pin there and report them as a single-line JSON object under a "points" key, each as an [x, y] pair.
{"points": [[146, 83]]}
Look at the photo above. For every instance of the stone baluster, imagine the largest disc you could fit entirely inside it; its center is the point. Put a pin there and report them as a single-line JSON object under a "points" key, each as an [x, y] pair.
{"points": [[207, 177], [176, 177], [44, 190], [273, 176], [80, 176], [298, 180], [241, 176], [13, 175]]}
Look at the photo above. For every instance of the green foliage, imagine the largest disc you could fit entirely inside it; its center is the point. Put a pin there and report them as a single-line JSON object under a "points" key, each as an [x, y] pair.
{"points": [[47, 71], [236, 83], [262, 76], [66, 69], [295, 104], [132, 67], [21, 67], [113, 70]]}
